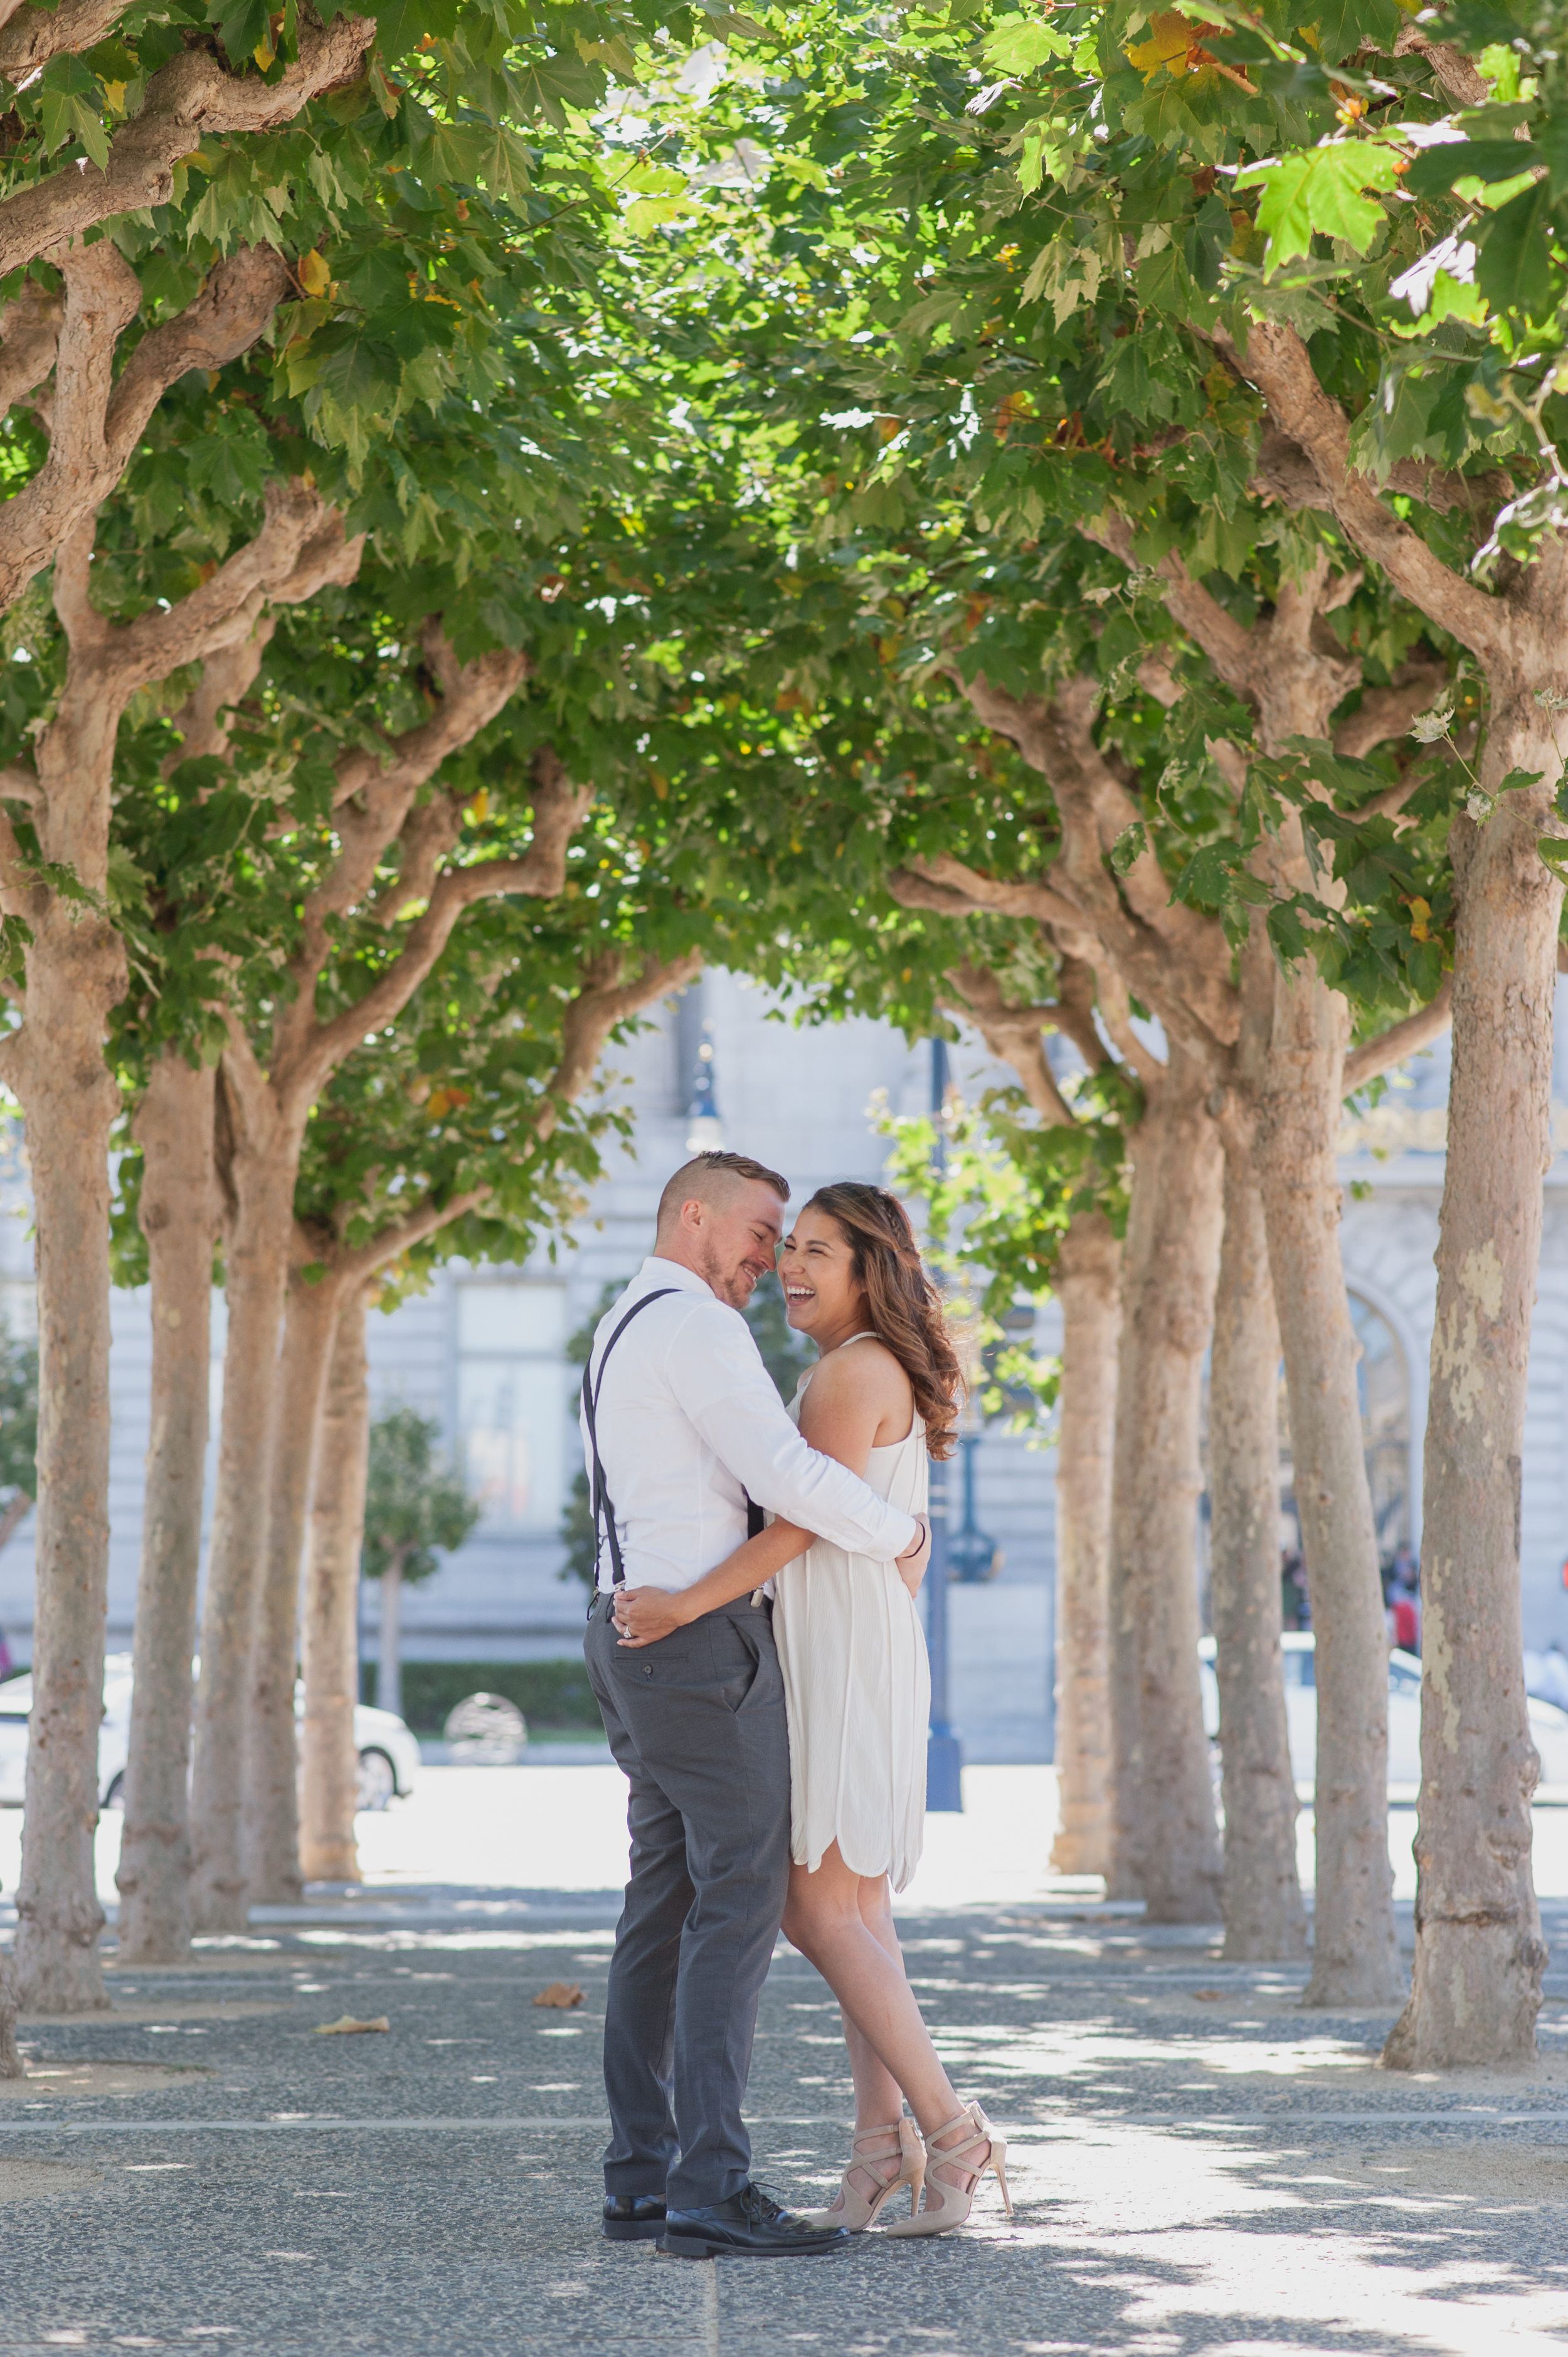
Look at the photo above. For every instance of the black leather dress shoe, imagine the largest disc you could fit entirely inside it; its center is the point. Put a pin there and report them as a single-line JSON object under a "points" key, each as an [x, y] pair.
{"points": [[749, 2225], [633, 2217]]}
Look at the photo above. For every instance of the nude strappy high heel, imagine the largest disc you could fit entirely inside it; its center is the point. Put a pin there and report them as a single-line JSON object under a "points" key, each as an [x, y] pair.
{"points": [[969, 2157], [900, 2151]]}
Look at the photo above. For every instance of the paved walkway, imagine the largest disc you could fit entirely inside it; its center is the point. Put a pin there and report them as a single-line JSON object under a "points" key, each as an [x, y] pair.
{"points": [[1199, 2165]]}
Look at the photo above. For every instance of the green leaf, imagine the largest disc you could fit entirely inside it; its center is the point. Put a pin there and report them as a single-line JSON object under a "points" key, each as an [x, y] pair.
{"points": [[242, 27], [1205, 882], [1129, 848], [1347, 24], [1513, 266], [402, 25], [72, 101], [1435, 170], [1020, 43], [1320, 193]]}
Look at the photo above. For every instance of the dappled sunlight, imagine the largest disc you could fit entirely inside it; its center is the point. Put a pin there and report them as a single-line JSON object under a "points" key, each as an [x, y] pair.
{"points": [[1090, 2050]]}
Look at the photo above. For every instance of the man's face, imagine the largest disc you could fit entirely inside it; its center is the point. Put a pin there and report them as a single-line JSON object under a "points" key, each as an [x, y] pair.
{"points": [[733, 1244]]}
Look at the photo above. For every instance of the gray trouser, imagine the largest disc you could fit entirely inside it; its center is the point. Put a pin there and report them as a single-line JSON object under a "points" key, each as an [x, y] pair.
{"points": [[697, 1723]]}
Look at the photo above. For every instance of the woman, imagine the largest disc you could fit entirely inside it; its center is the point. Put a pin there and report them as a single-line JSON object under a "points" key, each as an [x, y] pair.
{"points": [[881, 1398]]}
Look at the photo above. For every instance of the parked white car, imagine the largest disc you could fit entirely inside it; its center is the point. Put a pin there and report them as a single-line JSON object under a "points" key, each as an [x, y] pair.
{"points": [[1548, 1724], [388, 1754]]}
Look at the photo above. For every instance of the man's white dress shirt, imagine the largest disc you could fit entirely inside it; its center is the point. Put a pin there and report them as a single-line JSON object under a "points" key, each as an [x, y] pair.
{"points": [[690, 1424]]}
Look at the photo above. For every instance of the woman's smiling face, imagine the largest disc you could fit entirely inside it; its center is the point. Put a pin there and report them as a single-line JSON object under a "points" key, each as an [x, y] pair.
{"points": [[816, 1268]]}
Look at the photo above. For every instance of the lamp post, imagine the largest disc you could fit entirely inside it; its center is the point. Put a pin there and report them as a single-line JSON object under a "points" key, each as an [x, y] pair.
{"points": [[944, 1745], [973, 1555], [704, 1128]]}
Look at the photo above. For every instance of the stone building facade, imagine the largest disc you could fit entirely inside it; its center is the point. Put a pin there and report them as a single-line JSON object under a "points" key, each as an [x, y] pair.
{"points": [[484, 1351]]}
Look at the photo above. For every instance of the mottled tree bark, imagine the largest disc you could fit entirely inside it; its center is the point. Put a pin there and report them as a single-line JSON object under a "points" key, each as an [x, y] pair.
{"points": [[329, 1786], [1124, 1876], [178, 1212], [75, 968], [271, 1819], [1167, 1315], [1181, 1868], [1479, 1955], [1478, 1958], [263, 1108], [1356, 1956], [75, 973], [10, 2061], [256, 1240], [1088, 1285], [1264, 1916]]}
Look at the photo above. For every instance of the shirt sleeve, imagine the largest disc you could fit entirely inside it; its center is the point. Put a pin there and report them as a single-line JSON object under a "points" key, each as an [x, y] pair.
{"points": [[715, 1371]]}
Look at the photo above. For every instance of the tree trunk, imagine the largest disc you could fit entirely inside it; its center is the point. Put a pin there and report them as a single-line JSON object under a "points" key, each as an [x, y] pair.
{"points": [[1088, 1287], [271, 1819], [10, 2061], [1264, 1917], [1356, 1956], [1182, 1871], [1479, 1951], [256, 1239], [75, 973], [179, 1219], [330, 1783], [1124, 1878], [389, 1672], [1158, 1483]]}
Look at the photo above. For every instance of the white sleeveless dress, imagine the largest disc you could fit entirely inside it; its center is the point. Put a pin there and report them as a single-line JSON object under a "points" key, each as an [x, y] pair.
{"points": [[857, 1688]]}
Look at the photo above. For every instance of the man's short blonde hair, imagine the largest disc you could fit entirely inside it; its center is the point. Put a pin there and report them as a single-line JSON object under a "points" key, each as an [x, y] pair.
{"points": [[709, 1178]]}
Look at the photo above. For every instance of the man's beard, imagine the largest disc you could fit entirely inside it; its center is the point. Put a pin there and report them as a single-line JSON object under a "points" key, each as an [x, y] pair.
{"points": [[733, 1286]]}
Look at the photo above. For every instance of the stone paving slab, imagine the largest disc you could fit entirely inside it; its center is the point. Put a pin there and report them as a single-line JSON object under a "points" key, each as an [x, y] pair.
{"points": [[1199, 2165]]}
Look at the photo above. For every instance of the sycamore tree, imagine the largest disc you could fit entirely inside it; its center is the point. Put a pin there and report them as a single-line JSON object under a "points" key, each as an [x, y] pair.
{"points": [[469, 1130], [1204, 278], [394, 228], [1192, 292]]}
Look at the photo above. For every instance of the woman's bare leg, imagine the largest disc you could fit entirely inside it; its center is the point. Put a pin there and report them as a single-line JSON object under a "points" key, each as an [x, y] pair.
{"points": [[891, 2054], [878, 2097]]}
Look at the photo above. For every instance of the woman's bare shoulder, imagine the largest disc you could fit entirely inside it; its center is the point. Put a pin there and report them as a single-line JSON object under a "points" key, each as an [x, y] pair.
{"points": [[866, 1368]]}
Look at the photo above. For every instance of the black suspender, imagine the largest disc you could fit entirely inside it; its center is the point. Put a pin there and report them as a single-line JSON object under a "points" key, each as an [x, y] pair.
{"points": [[604, 1511]]}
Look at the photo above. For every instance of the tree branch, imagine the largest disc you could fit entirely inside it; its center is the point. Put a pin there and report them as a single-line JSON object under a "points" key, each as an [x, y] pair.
{"points": [[1279, 364], [30, 339], [945, 885], [308, 1048], [375, 794], [192, 99], [1453, 68], [605, 999], [1401, 1039], [1015, 1035], [1385, 711], [1285, 473], [30, 38], [95, 424], [225, 609]]}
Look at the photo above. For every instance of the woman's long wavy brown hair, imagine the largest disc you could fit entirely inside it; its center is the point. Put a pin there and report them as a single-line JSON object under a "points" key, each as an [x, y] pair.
{"points": [[903, 1305]]}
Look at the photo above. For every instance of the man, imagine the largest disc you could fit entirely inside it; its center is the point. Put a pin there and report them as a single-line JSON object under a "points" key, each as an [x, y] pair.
{"points": [[690, 1432]]}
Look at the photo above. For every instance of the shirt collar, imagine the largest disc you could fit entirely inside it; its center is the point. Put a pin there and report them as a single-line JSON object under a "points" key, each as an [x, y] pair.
{"points": [[672, 1272]]}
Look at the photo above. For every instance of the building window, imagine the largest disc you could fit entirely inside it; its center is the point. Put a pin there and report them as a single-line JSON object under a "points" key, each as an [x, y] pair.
{"points": [[513, 1388]]}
